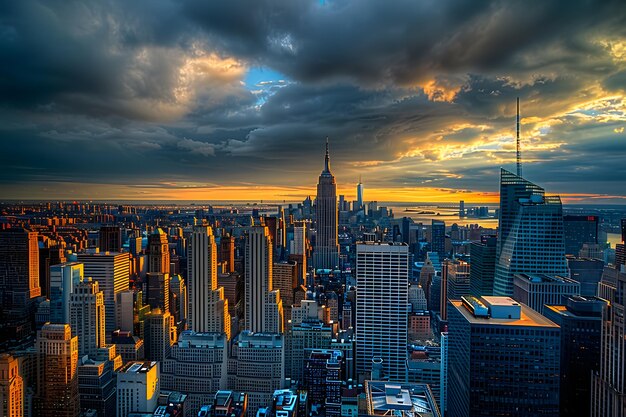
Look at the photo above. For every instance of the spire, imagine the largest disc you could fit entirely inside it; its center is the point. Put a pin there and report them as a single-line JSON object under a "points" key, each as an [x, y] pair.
{"points": [[359, 178], [519, 150], [327, 158]]}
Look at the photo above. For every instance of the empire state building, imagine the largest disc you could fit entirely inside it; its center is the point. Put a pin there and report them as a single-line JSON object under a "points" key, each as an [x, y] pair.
{"points": [[326, 253]]}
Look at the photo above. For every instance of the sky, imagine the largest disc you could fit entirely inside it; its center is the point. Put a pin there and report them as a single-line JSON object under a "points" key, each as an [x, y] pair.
{"points": [[210, 100]]}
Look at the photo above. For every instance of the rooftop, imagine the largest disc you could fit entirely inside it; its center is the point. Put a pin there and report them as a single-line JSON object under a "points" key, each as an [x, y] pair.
{"points": [[546, 279], [138, 367], [400, 399], [527, 316]]}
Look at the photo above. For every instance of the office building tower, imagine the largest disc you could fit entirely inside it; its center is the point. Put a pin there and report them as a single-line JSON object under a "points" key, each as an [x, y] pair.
{"points": [[580, 320], [226, 253], [438, 238], [138, 385], [417, 298], [11, 387], [259, 282], [97, 383], [609, 384], [359, 196], [179, 303], [125, 310], [112, 271], [226, 403], [157, 290], [197, 367], [382, 273], [326, 252], [110, 239], [322, 379], [285, 279], [298, 251], [302, 338], [50, 253], [483, 266], [63, 279], [537, 290], [426, 276], [57, 384], [134, 245], [399, 399], [86, 317], [19, 271], [443, 400], [208, 310], [458, 278], [577, 231], [530, 237], [159, 335], [588, 272], [503, 359], [158, 252], [273, 314], [255, 366]]}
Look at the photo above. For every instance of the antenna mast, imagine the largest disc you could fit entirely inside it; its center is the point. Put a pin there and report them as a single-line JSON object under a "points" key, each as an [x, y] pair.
{"points": [[519, 150]]}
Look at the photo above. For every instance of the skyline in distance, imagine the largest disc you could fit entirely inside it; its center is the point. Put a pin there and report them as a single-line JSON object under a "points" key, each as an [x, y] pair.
{"points": [[202, 101]]}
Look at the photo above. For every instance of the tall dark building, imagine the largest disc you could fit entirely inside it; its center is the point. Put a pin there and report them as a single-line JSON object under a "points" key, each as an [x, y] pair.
{"points": [[226, 252], [483, 266], [19, 271], [322, 379], [110, 239], [580, 320], [588, 272], [623, 227], [406, 230], [503, 359], [158, 252], [438, 238], [326, 252], [579, 230]]}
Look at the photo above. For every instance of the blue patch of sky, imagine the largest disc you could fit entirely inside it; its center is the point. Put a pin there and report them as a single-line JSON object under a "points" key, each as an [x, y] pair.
{"points": [[263, 81]]}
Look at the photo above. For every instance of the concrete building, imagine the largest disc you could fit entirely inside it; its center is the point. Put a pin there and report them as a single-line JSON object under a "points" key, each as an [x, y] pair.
{"points": [[382, 298], [588, 272], [87, 317], [11, 387], [579, 230], [197, 366], [483, 266], [138, 385], [322, 380], [457, 275], [159, 335], [63, 278], [57, 378], [226, 404], [498, 351], [537, 290], [256, 367], [400, 399]]}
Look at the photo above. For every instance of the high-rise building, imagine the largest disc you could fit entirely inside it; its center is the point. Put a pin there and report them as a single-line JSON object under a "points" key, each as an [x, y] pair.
{"points": [[580, 320], [285, 279], [179, 303], [86, 316], [382, 273], [259, 281], [226, 253], [322, 379], [579, 230], [110, 239], [537, 290], [63, 279], [438, 238], [131, 348], [483, 266], [57, 385], [588, 272], [138, 385], [19, 271], [399, 399], [159, 335], [302, 338], [112, 271], [503, 359], [97, 382], [609, 384], [256, 367], [530, 237], [208, 310], [226, 403], [196, 366], [458, 278], [424, 366], [359, 195], [158, 252], [11, 387], [157, 290], [326, 252]]}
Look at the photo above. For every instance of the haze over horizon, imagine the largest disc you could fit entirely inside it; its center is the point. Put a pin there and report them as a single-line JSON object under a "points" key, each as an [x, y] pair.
{"points": [[196, 100]]}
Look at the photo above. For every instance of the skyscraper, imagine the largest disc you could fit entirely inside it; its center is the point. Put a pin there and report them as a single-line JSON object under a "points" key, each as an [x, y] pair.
{"points": [[19, 271], [227, 252], [503, 359], [158, 252], [438, 238], [110, 239], [579, 230], [382, 273], [159, 334], [458, 278], [11, 387], [483, 266], [63, 279], [530, 233], [138, 386], [57, 385], [326, 252], [537, 290], [86, 317], [112, 271], [359, 195], [259, 280], [208, 310]]}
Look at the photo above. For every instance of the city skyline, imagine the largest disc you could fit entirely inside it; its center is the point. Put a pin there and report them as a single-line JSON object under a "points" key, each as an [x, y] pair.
{"points": [[202, 101]]}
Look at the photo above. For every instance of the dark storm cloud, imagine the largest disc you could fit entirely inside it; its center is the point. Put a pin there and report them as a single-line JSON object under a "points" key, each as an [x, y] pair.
{"points": [[147, 91]]}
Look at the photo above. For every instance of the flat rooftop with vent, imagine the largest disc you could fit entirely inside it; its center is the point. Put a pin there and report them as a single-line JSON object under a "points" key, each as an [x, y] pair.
{"points": [[400, 399]]}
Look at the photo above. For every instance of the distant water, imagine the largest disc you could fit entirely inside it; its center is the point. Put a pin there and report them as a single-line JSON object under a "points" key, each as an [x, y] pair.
{"points": [[449, 213]]}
